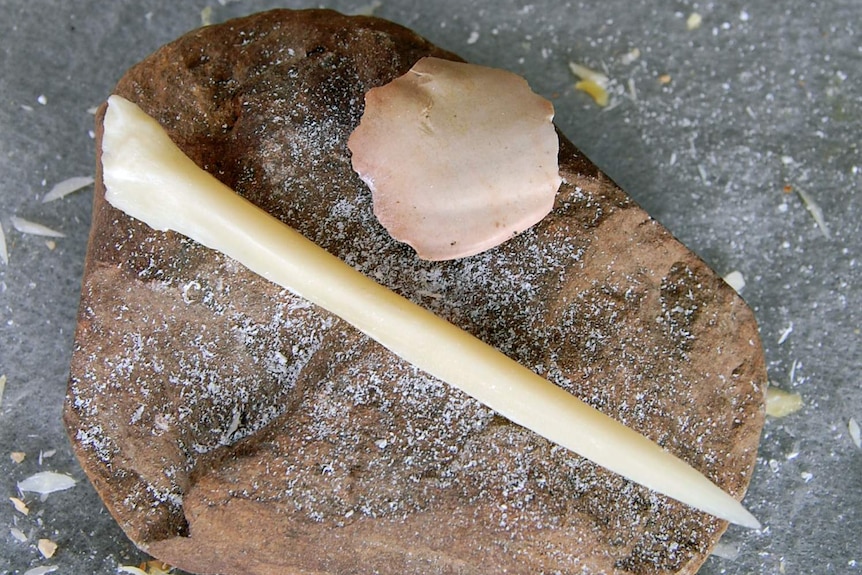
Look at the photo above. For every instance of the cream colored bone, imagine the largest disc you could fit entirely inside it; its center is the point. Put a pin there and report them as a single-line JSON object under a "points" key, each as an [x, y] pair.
{"points": [[149, 178]]}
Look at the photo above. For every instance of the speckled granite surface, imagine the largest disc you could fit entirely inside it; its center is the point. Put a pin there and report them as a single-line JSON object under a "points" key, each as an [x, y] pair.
{"points": [[722, 132]]}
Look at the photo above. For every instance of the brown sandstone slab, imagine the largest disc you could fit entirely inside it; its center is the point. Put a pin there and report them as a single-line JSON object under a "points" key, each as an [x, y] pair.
{"points": [[230, 427]]}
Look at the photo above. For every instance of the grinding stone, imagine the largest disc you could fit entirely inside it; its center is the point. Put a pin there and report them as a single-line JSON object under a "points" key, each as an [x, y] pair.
{"points": [[231, 427]]}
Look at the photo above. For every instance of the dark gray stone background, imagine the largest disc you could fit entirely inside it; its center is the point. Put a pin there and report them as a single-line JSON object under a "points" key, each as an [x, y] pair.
{"points": [[763, 96]]}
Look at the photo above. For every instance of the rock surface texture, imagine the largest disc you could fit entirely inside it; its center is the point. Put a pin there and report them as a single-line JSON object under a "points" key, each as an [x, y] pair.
{"points": [[231, 427]]}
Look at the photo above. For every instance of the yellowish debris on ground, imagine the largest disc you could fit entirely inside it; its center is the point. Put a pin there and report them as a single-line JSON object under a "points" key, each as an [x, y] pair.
{"points": [[780, 403]]}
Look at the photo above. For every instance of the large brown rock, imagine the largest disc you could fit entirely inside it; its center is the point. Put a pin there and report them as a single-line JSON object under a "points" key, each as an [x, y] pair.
{"points": [[231, 427]]}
